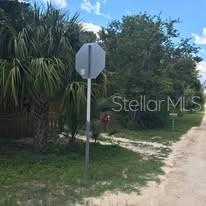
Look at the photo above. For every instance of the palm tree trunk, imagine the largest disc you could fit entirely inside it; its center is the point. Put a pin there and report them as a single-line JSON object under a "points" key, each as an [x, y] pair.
{"points": [[41, 125]]}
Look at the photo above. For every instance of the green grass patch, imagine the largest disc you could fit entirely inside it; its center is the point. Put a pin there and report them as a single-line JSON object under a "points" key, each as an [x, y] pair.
{"points": [[56, 178], [166, 134]]}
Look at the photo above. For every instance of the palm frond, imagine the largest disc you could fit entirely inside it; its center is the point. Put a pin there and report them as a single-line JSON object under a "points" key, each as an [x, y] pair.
{"points": [[45, 75], [10, 79]]}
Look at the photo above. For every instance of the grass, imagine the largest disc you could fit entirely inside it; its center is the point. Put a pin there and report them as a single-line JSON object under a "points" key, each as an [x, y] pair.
{"points": [[164, 135], [56, 178]]}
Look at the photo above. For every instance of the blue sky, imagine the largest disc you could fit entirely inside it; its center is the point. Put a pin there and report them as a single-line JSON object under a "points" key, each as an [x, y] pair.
{"points": [[192, 14]]}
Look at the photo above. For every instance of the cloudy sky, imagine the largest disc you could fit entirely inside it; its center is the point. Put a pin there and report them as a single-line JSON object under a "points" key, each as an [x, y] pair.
{"points": [[97, 13]]}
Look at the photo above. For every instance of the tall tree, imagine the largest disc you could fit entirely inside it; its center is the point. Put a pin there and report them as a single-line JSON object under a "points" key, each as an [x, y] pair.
{"points": [[40, 62], [147, 58]]}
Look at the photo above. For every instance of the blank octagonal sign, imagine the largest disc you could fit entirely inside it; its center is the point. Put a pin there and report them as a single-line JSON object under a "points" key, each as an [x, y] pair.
{"points": [[90, 60]]}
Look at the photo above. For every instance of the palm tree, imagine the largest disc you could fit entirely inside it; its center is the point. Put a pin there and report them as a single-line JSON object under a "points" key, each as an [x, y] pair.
{"points": [[14, 16], [42, 68], [43, 56], [74, 103]]}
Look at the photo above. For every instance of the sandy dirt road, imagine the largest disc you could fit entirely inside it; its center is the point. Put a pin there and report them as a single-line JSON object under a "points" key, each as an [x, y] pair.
{"points": [[184, 182]]}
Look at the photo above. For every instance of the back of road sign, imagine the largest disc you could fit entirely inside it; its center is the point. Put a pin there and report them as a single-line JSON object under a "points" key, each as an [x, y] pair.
{"points": [[90, 61]]}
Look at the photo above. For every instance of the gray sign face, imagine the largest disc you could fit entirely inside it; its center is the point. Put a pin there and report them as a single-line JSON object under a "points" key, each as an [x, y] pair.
{"points": [[90, 61]]}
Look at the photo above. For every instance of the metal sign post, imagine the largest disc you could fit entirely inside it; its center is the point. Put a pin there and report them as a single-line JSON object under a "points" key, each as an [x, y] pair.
{"points": [[173, 116], [90, 61], [88, 125], [173, 124], [88, 115]]}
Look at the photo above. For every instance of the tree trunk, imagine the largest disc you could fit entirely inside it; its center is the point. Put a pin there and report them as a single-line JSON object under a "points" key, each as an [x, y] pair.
{"points": [[41, 128]]}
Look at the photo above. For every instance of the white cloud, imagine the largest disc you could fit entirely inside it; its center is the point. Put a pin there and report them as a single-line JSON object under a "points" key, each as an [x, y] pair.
{"points": [[95, 8], [89, 7], [58, 3], [200, 39], [201, 67], [91, 27]]}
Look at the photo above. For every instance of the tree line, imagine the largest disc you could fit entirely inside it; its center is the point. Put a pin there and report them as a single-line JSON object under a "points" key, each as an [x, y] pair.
{"points": [[145, 56]]}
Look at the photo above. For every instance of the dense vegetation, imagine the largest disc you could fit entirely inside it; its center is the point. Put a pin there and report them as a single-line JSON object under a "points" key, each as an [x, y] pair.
{"points": [[148, 58], [37, 62], [145, 56]]}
